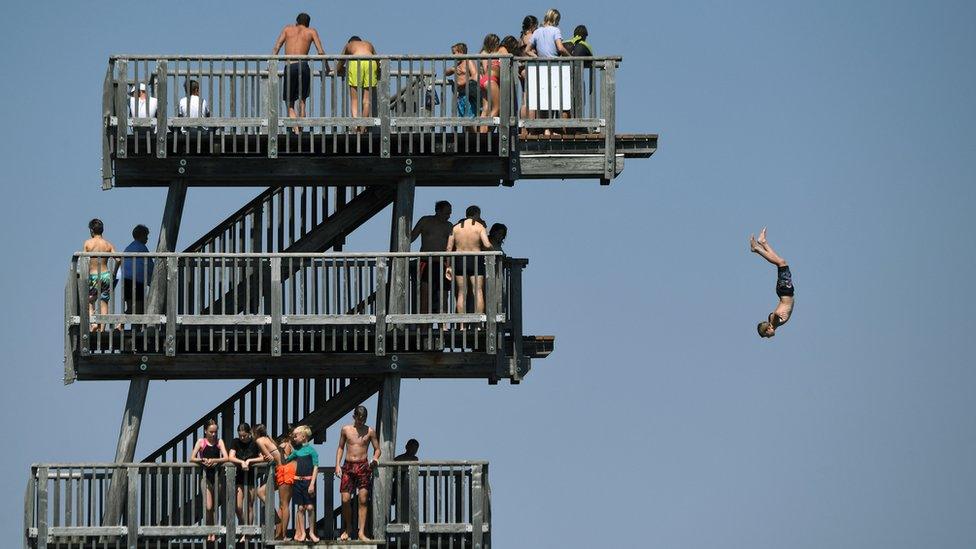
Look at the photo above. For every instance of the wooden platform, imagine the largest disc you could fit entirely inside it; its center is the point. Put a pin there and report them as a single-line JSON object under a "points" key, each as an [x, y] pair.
{"points": [[215, 365], [434, 159]]}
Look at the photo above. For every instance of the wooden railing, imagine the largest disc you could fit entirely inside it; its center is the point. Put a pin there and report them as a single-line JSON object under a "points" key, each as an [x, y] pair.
{"points": [[149, 108], [443, 503], [288, 303]]}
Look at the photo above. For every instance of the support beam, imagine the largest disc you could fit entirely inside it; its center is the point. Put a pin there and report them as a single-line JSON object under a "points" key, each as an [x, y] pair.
{"points": [[386, 429], [389, 401], [135, 402]]}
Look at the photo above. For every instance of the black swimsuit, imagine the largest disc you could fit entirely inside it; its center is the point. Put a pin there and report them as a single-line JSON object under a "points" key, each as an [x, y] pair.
{"points": [[210, 451]]}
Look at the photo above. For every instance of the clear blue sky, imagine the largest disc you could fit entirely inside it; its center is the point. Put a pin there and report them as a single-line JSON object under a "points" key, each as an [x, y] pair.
{"points": [[661, 420]]}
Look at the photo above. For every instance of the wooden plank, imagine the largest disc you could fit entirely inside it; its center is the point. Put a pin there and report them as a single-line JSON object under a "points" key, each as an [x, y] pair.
{"points": [[223, 320]]}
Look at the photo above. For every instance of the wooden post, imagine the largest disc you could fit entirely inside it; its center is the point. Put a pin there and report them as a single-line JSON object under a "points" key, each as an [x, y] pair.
{"points": [[121, 110], [169, 231], [135, 402], [230, 504], [518, 365], [270, 509], [505, 105], [608, 110], [276, 306], [413, 505], [70, 308], [42, 473], [491, 287], [382, 107], [132, 509], [162, 122], [388, 408], [273, 101], [108, 137], [477, 507], [401, 225], [84, 326], [172, 300], [381, 287]]}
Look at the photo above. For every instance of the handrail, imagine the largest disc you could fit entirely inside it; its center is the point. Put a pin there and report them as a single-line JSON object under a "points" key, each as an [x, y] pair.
{"points": [[246, 255]]}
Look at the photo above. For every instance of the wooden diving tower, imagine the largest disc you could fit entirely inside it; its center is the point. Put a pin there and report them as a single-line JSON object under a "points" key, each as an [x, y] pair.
{"points": [[270, 296]]}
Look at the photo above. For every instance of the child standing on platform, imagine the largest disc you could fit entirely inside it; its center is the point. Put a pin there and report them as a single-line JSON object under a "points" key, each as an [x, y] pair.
{"points": [[303, 493]]}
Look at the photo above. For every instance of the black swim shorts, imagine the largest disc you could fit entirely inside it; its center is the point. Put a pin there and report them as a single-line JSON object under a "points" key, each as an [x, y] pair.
{"points": [[784, 282]]}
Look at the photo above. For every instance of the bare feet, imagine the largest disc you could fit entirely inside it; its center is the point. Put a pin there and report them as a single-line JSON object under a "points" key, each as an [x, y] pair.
{"points": [[299, 537], [762, 237], [753, 245], [344, 536], [313, 538], [363, 537]]}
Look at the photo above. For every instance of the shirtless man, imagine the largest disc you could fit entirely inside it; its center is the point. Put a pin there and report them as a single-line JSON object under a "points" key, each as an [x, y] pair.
{"points": [[469, 235], [356, 472], [434, 232], [363, 75], [784, 286], [297, 40], [100, 279]]}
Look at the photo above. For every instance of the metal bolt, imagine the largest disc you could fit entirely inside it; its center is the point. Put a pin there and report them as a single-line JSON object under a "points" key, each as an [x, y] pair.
{"points": [[84, 337], [394, 358], [409, 169], [504, 138], [145, 358], [143, 366], [386, 138], [409, 161], [519, 370], [504, 150], [181, 170], [393, 366], [183, 162]]}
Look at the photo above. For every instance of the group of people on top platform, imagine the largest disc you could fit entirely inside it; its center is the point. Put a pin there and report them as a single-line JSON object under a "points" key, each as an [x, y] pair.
{"points": [[296, 470]]}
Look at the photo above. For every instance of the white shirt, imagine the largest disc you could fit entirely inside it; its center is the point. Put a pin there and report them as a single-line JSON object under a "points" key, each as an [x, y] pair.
{"points": [[196, 106], [137, 108]]}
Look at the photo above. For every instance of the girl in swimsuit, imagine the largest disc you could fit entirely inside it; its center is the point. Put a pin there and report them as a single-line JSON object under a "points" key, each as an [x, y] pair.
{"points": [[285, 477], [270, 452], [209, 452], [490, 71]]}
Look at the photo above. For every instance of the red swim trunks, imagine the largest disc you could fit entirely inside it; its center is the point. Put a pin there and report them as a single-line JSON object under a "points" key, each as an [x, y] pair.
{"points": [[285, 474], [355, 476]]}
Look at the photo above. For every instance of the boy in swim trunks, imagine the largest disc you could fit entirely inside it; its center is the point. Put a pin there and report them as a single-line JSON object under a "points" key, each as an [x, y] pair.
{"points": [[356, 472], [362, 76], [465, 71], [297, 40], [303, 494], [784, 286], [100, 279], [469, 235]]}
